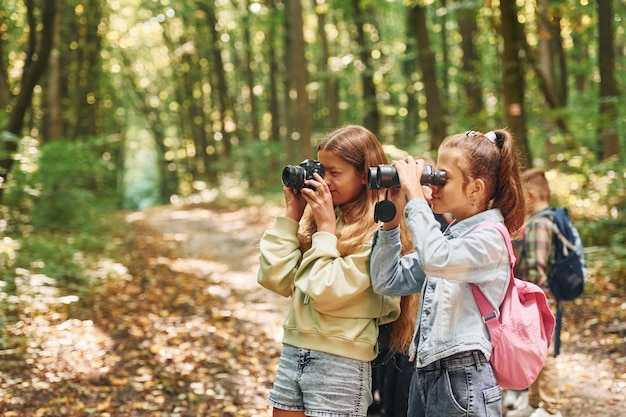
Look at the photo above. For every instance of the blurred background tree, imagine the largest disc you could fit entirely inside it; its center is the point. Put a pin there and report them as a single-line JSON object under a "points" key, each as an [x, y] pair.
{"points": [[184, 101], [108, 106]]}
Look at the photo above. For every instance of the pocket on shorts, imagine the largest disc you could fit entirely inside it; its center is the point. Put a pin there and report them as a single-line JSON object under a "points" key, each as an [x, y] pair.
{"points": [[493, 400]]}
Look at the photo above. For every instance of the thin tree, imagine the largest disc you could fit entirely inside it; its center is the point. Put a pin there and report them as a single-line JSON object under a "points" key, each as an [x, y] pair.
{"points": [[4, 76], [550, 65], [410, 70], [249, 74], [273, 75], [298, 77], [468, 29], [436, 115], [371, 118], [227, 116], [608, 85], [513, 81], [52, 126], [331, 95], [88, 70]]}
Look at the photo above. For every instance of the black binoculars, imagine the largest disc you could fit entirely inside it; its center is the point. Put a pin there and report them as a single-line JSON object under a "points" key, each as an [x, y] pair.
{"points": [[386, 176]]}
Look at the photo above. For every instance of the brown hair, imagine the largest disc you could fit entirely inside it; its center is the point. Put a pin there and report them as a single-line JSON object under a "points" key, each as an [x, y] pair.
{"points": [[535, 178], [497, 164], [361, 149]]}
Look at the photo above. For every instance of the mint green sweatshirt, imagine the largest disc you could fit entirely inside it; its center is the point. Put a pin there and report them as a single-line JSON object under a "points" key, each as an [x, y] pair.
{"points": [[333, 307]]}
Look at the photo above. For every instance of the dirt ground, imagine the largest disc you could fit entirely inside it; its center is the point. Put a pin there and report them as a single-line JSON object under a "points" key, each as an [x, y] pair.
{"points": [[593, 378], [184, 330]]}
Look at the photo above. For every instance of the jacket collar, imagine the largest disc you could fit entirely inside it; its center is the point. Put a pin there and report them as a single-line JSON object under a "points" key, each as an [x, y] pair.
{"points": [[461, 228]]}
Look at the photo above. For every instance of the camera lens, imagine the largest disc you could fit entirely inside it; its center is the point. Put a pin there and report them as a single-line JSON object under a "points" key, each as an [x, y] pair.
{"points": [[293, 176]]}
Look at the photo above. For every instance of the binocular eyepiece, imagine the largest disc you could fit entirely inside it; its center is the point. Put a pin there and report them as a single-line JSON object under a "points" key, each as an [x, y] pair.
{"points": [[386, 176]]}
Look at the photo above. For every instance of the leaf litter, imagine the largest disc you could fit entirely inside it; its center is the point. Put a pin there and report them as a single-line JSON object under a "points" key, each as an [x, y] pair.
{"points": [[183, 329]]}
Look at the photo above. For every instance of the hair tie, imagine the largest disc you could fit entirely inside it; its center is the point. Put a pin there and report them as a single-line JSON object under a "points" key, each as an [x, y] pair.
{"points": [[491, 135]]}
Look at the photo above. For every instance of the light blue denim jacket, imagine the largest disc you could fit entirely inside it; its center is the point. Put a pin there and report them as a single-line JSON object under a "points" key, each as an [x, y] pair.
{"points": [[442, 267]]}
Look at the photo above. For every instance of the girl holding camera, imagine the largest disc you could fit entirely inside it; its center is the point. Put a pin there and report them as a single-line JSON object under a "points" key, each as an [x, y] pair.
{"points": [[317, 254], [451, 345]]}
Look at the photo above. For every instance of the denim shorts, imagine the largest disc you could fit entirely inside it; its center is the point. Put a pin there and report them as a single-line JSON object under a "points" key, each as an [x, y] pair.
{"points": [[321, 384], [460, 385]]}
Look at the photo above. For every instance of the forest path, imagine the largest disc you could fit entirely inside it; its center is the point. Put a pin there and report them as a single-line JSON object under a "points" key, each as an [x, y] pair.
{"points": [[182, 329], [592, 385], [222, 247]]}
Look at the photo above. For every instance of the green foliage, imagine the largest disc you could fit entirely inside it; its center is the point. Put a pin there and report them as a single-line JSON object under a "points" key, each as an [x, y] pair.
{"points": [[56, 267], [261, 165], [54, 255], [595, 195], [76, 180]]}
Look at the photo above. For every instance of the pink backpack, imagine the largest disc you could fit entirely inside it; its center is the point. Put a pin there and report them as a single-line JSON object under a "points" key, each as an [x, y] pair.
{"points": [[522, 333]]}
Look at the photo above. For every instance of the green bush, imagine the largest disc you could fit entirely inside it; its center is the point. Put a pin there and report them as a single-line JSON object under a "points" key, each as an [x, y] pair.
{"points": [[77, 180]]}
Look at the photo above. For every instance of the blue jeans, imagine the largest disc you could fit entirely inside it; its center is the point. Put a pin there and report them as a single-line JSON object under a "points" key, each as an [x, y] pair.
{"points": [[460, 385], [321, 384]]}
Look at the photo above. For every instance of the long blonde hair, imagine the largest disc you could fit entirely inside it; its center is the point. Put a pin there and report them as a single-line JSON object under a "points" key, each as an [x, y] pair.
{"points": [[361, 149]]}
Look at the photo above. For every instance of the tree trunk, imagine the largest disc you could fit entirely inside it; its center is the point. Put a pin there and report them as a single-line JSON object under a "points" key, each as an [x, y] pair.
{"points": [[371, 118], [40, 44], [471, 77], [550, 69], [412, 118], [4, 76], [52, 126], [87, 93], [331, 110], [226, 110], [436, 115], [609, 94], [249, 74], [445, 56], [299, 79], [513, 82], [273, 73], [580, 53]]}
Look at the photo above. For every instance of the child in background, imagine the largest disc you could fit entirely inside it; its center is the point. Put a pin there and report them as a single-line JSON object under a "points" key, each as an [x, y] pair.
{"points": [[451, 345], [318, 254], [544, 393]]}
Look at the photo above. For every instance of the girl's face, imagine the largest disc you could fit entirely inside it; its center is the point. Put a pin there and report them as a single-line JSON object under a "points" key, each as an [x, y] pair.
{"points": [[452, 197], [344, 182]]}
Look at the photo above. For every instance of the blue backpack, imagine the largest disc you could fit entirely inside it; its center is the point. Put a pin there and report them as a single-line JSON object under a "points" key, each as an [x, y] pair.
{"points": [[569, 273]]}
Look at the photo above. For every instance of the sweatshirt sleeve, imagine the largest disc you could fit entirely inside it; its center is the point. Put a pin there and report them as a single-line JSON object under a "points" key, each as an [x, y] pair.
{"points": [[280, 256], [339, 285]]}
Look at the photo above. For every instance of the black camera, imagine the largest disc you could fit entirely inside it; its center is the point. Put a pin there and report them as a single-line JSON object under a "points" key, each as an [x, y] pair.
{"points": [[386, 176], [295, 175]]}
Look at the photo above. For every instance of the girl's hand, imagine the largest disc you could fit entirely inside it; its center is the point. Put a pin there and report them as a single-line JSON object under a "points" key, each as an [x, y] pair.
{"points": [[321, 203], [295, 203], [410, 173]]}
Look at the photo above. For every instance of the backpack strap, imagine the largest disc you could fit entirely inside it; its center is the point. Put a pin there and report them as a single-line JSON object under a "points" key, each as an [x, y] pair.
{"points": [[486, 308], [551, 213]]}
